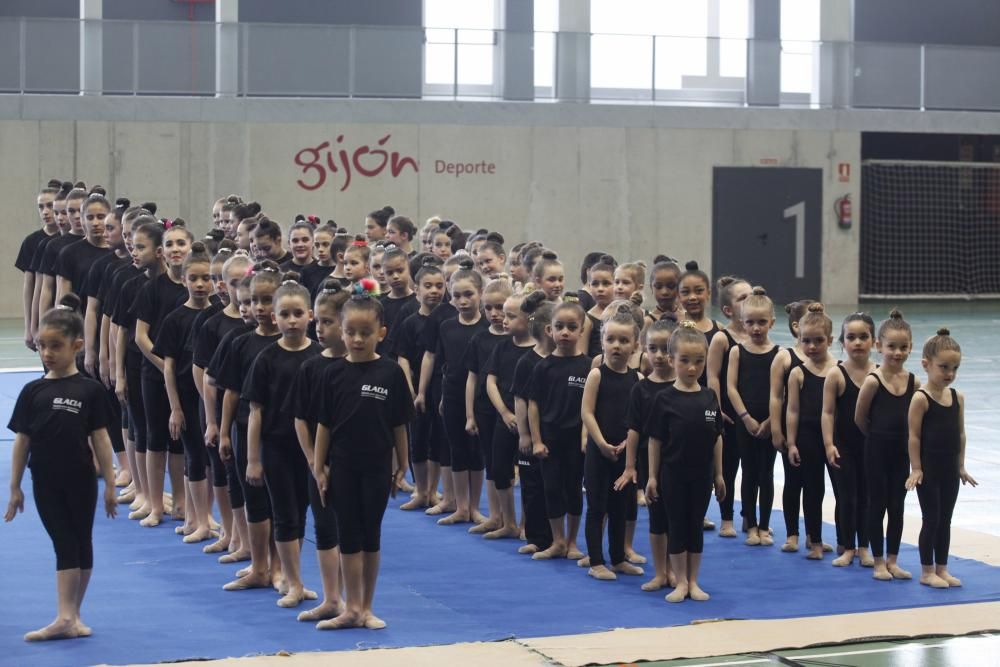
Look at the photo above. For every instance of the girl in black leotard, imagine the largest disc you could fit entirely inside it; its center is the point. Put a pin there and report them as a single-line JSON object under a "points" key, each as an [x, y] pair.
{"points": [[881, 415], [805, 408], [843, 442], [937, 456], [601, 279]]}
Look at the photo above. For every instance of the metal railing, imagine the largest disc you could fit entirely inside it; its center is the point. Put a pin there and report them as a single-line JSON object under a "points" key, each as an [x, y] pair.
{"points": [[286, 60]]}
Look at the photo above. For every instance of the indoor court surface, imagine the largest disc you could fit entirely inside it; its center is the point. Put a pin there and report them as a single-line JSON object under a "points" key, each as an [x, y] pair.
{"points": [[440, 586]]}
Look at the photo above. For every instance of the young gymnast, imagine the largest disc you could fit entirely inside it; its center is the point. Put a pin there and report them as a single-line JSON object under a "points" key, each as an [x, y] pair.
{"points": [[53, 419], [184, 423], [305, 402], [937, 455], [300, 245], [549, 276], [27, 250], [695, 292], [365, 411], [844, 442], [685, 447], [537, 530], [881, 414], [234, 360], [499, 370], [157, 299], [555, 393], [273, 451], [356, 260], [803, 425], [72, 208], [430, 285], [732, 293], [748, 387], [491, 258], [664, 281], [603, 413], [376, 223], [400, 298], [601, 280], [267, 238], [454, 336], [401, 231], [640, 405]]}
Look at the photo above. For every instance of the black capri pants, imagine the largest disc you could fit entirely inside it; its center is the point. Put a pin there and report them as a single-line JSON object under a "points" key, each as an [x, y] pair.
{"points": [[157, 409], [420, 436], [685, 493], [134, 403], [215, 463], [193, 440], [466, 453], [324, 519], [438, 449], [485, 422], [537, 530], [360, 492], [233, 482], [504, 454], [256, 499], [66, 505], [117, 417], [562, 471], [286, 473]]}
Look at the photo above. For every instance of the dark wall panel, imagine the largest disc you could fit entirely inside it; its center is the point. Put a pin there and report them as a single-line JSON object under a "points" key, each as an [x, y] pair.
{"points": [[969, 22], [334, 12], [52, 9], [159, 10]]}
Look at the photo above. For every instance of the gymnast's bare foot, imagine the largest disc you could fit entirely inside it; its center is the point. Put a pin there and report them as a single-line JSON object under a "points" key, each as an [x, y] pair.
{"points": [[844, 559], [323, 612], [295, 596], [865, 556], [372, 622], [456, 517], [478, 517], [557, 550], [152, 520], [791, 544], [931, 579], [235, 557], [510, 532], [83, 630], [897, 572], [583, 562], [679, 593], [727, 530], [441, 508], [815, 552], [655, 584], [141, 512], [695, 592], [221, 544], [527, 549], [487, 526], [415, 503], [248, 581], [753, 540], [629, 569], [198, 535], [61, 628], [349, 619]]}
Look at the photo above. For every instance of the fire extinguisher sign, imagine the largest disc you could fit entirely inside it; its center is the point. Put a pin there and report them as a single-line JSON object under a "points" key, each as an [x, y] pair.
{"points": [[844, 172]]}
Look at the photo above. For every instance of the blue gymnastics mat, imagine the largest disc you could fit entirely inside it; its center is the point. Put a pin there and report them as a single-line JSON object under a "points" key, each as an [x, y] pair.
{"points": [[154, 599]]}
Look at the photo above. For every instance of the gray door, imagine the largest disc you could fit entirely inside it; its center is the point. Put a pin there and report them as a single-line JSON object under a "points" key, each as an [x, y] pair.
{"points": [[767, 228]]}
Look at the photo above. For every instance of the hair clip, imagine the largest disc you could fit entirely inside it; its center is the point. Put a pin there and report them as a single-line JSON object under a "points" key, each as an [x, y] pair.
{"points": [[334, 288], [687, 324], [572, 298], [366, 288], [269, 269], [63, 306], [222, 250], [289, 282], [167, 223], [360, 243], [250, 271], [312, 219]]}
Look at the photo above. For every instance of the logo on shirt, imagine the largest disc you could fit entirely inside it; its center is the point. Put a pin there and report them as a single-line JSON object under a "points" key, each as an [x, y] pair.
{"points": [[710, 416], [67, 405], [578, 382], [374, 391]]}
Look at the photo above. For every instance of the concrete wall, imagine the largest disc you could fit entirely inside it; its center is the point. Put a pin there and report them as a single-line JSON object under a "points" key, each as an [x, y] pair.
{"points": [[634, 191]]}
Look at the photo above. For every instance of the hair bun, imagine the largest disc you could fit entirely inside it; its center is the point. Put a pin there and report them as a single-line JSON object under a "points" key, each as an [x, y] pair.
{"points": [[150, 206], [816, 307], [895, 314], [758, 290], [636, 298], [531, 302], [55, 183], [331, 286], [70, 301], [291, 277], [549, 254], [943, 332], [99, 190], [198, 248], [79, 185], [465, 263], [495, 237], [178, 222], [691, 265], [641, 264], [266, 265], [389, 210], [664, 259], [122, 202]]}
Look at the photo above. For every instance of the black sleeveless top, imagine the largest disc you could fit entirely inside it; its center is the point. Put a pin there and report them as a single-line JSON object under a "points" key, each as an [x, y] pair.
{"points": [[811, 399], [754, 381], [845, 431], [612, 402], [703, 380], [594, 342], [888, 413], [795, 362], [941, 433], [727, 405]]}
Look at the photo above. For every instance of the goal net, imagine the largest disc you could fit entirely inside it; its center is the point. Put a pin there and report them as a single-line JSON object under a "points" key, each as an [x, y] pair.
{"points": [[930, 230]]}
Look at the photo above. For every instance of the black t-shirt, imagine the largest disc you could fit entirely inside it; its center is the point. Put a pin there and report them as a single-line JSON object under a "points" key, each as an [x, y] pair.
{"points": [[157, 299], [477, 354], [502, 363], [640, 405], [58, 416], [170, 343], [74, 264], [235, 366], [393, 339], [232, 329], [612, 402], [313, 276], [99, 274], [269, 382], [208, 336], [306, 398], [49, 263], [362, 404], [111, 289], [557, 386], [586, 299], [454, 338], [407, 343], [687, 424], [123, 315], [521, 383], [429, 336], [35, 264], [28, 247], [392, 312], [214, 306]]}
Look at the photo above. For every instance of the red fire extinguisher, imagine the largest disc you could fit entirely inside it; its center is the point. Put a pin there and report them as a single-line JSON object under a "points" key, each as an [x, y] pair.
{"points": [[843, 209]]}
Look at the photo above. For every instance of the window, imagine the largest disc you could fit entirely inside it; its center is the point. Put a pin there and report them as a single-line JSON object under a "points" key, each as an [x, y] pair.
{"points": [[799, 40], [472, 23]]}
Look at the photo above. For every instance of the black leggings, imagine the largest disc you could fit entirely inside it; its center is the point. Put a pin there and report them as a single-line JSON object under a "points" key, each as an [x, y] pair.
{"points": [[730, 466], [852, 504], [888, 466], [116, 418], [504, 454], [791, 496], [937, 495], [193, 440], [287, 475], [600, 474], [324, 518], [233, 480], [215, 463], [360, 493], [256, 499], [466, 454], [136, 410], [485, 422], [562, 471], [66, 505], [420, 436], [157, 409], [813, 467], [685, 493], [537, 530], [757, 458], [641, 477]]}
